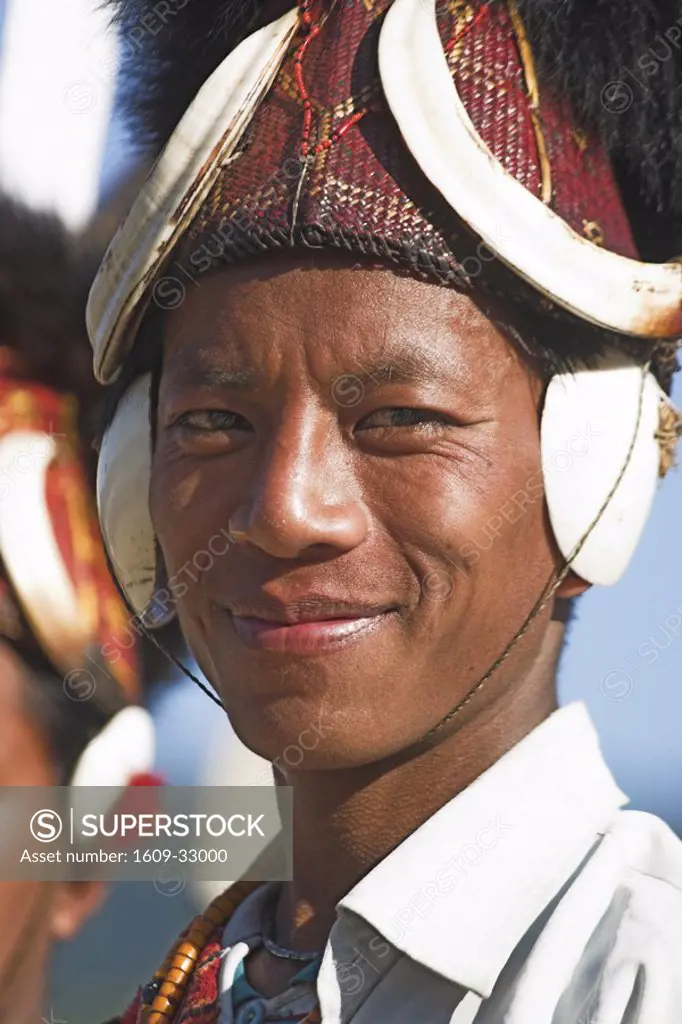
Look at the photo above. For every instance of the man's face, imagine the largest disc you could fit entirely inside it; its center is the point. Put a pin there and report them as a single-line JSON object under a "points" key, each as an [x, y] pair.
{"points": [[373, 442]]}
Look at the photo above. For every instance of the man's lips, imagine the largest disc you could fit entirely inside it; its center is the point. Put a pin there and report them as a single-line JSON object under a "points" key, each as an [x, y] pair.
{"points": [[307, 626]]}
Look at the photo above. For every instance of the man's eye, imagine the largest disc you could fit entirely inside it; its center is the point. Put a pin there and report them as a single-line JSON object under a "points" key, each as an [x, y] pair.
{"points": [[209, 421], [403, 417]]}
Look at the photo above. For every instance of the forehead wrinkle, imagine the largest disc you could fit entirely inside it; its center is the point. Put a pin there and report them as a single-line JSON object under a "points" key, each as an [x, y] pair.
{"points": [[403, 365], [298, 324], [397, 335]]}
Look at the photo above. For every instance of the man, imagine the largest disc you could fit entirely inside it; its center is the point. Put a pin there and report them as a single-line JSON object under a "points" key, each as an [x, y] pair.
{"points": [[68, 714], [379, 320]]}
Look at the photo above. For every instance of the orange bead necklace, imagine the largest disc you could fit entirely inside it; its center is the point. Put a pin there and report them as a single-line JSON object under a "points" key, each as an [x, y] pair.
{"points": [[165, 992]]}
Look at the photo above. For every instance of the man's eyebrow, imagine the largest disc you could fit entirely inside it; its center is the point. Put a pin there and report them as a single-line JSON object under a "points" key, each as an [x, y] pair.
{"points": [[193, 375], [404, 368], [401, 367]]}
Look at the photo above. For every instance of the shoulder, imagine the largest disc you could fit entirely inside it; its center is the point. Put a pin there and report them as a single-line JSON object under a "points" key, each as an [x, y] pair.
{"points": [[648, 845], [635, 876], [615, 930], [644, 859]]}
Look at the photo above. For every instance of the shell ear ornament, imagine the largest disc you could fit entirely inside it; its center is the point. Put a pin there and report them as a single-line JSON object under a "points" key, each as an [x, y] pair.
{"points": [[123, 481], [123, 478], [601, 462]]}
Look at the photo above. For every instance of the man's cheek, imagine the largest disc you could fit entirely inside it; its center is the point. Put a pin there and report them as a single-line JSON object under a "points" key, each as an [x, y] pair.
{"points": [[179, 515]]}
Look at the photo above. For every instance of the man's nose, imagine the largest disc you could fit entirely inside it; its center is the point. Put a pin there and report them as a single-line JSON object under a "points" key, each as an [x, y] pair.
{"points": [[306, 499]]}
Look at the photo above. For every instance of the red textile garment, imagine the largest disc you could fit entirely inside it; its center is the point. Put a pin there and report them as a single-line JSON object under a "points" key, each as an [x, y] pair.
{"points": [[200, 1004]]}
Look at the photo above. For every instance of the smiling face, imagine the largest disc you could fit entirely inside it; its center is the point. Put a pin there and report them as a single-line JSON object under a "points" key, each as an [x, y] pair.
{"points": [[372, 441]]}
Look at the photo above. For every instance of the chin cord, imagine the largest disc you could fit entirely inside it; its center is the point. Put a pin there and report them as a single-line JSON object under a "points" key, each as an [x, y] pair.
{"points": [[178, 664], [548, 591]]}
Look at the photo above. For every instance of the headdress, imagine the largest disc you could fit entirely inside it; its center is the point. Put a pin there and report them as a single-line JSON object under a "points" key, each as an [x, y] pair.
{"points": [[60, 611], [463, 141]]}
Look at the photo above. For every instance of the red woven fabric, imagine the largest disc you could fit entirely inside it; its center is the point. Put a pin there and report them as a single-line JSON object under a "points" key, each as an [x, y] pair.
{"points": [[200, 1003], [365, 192]]}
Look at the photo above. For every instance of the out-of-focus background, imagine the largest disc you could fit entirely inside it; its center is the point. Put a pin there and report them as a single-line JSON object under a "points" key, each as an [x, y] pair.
{"points": [[63, 147]]}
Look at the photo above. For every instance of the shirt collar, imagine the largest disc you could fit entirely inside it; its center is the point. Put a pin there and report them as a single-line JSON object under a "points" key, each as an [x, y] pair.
{"points": [[459, 894]]}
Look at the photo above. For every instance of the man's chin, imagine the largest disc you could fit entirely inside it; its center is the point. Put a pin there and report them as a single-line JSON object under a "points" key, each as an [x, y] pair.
{"points": [[301, 732]]}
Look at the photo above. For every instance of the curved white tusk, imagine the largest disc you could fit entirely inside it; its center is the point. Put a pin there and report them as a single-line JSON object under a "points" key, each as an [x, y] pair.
{"points": [[125, 747], [123, 476], [31, 553], [615, 293], [177, 186]]}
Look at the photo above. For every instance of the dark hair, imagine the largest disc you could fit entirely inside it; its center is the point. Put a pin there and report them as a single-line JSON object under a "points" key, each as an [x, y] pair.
{"points": [[44, 281]]}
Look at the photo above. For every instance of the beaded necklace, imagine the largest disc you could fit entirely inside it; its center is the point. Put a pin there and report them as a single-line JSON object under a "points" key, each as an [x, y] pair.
{"points": [[163, 995]]}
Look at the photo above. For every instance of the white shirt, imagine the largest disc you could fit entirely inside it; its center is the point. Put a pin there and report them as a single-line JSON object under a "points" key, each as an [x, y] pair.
{"points": [[530, 898]]}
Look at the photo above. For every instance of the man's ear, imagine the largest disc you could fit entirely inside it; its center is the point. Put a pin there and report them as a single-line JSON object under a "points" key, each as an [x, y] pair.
{"points": [[572, 586], [73, 904]]}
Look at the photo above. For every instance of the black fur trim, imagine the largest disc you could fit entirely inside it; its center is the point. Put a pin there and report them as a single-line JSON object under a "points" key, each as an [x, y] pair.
{"points": [[620, 64], [170, 47], [44, 281]]}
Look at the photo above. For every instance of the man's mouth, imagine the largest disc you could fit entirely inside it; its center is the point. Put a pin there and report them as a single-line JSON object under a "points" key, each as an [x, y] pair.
{"points": [[310, 625]]}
